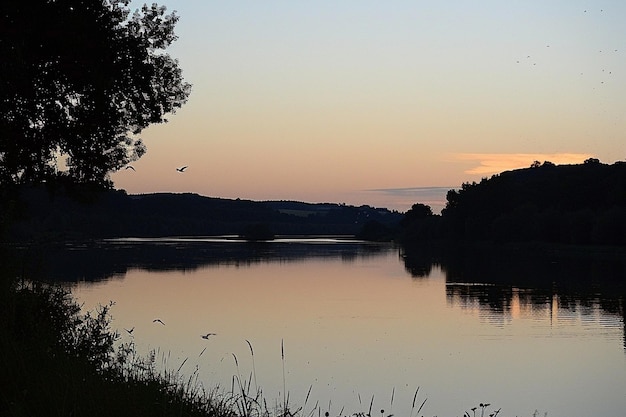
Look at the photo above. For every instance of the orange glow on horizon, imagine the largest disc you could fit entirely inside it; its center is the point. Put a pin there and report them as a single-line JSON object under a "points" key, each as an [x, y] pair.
{"points": [[494, 163]]}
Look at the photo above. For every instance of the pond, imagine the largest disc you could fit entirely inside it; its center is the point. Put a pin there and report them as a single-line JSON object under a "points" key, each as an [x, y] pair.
{"points": [[363, 325]]}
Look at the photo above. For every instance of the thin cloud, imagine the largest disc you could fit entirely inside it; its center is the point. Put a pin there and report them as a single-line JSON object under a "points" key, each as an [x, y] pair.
{"points": [[493, 163], [404, 198], [412, 190]]}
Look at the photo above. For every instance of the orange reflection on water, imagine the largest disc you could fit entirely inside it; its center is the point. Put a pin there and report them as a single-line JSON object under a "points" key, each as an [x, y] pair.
{"points": [[361, 326], [352, 325]]}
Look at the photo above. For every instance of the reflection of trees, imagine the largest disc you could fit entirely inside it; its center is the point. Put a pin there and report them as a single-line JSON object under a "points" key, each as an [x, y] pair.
{"points": [[501, 304], [104, 260], [505, 282], [419, 260], [514, 302]]}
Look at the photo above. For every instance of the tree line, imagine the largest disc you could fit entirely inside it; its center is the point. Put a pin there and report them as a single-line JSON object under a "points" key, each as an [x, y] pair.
{"points": [[571, 204], [60, 213]]}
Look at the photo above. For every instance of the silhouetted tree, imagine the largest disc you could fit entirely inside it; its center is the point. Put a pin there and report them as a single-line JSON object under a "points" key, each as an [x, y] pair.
{"points": [[417, 211], [79, 80], [257, 231], [574, 204], [419, 224], [610, 227], [375, 231]]}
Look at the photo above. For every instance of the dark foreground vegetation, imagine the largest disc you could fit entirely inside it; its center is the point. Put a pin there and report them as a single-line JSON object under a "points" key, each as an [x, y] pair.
{"points": [[582, 204], [58, 360]]}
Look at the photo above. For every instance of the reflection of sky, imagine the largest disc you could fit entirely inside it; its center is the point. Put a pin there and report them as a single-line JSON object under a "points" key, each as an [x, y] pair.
{"points": [[364, 327]]}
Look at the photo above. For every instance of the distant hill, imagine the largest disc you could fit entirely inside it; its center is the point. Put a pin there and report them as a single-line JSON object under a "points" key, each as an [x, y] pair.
{"points": [[572, 204], [60, 214]]}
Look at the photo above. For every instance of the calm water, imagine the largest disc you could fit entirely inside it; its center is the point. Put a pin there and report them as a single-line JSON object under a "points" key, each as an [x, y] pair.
{"points": [[358, 321]]}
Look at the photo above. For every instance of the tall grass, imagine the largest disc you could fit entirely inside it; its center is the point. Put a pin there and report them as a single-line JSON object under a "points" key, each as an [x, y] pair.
{"points": [[56, 360]]}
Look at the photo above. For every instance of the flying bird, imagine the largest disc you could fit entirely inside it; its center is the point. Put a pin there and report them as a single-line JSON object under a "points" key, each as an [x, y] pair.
{"points": [[130, 167], [206, 336], [158, 321], [130, 331], [181, 169]]}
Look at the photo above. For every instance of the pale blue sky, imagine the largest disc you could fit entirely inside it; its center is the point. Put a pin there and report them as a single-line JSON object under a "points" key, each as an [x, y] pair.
{"points": [[329, 101]]}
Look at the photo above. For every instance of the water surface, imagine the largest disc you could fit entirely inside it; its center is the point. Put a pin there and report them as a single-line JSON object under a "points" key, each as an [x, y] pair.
{"points": [[357, 321]]}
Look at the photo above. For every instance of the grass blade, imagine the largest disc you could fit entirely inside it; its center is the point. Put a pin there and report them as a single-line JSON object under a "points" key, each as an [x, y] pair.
{"points": [[181, 365], [307, 395], [282, 354], [414, 398], [420, 409], [256, 386]]}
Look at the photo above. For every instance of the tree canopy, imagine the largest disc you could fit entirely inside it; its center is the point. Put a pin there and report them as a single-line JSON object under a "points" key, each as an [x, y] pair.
{"points": [[571, 204], [79, 80]]}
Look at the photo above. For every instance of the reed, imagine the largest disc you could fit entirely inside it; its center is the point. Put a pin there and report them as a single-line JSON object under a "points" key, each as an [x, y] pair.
{"points": [[256, 386], [285, 396], [58, 361], [483, 408]]}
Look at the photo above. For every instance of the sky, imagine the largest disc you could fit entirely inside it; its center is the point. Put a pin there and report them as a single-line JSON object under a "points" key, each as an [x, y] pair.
{"points": [[384, 103]]}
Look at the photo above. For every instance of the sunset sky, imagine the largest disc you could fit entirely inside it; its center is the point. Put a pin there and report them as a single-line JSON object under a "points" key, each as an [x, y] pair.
{"points": [[384, 103]]}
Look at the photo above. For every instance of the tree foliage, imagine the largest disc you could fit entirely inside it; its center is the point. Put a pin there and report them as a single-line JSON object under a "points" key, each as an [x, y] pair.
{"points": [[572, 204], [79, 80], [418, 211]]}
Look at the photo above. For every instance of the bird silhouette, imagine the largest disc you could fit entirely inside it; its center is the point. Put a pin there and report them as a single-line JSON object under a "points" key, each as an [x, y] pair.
{"points": [[158, 321], [206, 336], [181, 169], [130, 331], [130, 167]]}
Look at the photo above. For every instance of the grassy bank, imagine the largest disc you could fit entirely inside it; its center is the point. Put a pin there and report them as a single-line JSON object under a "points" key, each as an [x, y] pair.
{"points": [[60, 361], [57, 361]]}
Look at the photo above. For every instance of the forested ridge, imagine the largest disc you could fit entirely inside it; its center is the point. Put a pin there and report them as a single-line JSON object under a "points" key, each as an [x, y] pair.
{"points": [[570, 204], [65, 212]]}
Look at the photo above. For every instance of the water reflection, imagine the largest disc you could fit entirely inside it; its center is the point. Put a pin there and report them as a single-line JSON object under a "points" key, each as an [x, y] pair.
{"points": [[360, 319], [503, 284], [109, 259], [509, 284]]}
